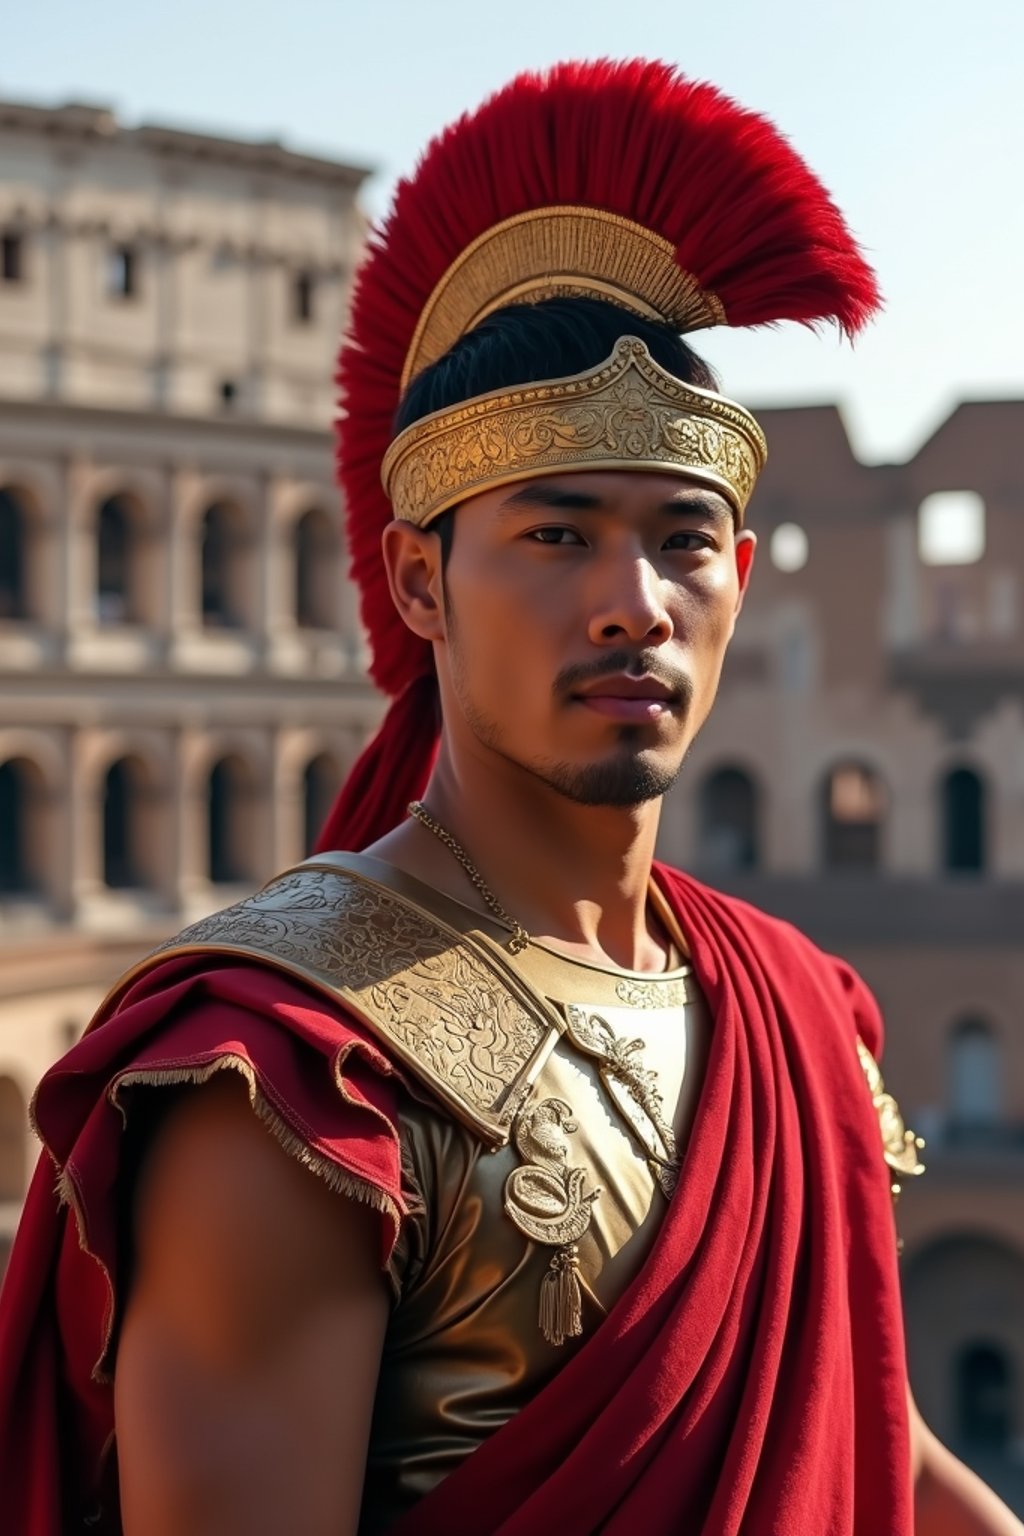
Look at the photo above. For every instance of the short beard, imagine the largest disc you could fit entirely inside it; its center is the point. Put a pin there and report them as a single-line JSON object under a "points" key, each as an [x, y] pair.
{"points": [[623, 782]]}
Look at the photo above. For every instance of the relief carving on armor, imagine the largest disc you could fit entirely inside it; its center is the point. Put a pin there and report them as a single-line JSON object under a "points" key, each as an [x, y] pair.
{"points": [[619, 1061], [546, 1200], [412, 978]]}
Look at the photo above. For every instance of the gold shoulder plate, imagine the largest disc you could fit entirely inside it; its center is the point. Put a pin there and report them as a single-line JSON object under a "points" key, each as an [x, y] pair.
{"points": [[899, 1146], [442, 1002]]}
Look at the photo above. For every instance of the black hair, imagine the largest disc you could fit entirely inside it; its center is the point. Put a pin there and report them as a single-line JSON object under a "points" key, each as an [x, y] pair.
{"points": [[527, 343]]}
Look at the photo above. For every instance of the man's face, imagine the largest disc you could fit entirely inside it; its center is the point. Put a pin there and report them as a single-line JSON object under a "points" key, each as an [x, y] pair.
{"points": [[586, 618]]}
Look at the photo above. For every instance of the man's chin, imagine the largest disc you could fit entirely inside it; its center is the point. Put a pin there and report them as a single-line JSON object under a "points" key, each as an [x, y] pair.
{"points": [[622, 782]]}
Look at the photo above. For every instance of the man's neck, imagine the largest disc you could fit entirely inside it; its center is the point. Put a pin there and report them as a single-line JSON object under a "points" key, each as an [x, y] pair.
{"points": [[574, 875]]}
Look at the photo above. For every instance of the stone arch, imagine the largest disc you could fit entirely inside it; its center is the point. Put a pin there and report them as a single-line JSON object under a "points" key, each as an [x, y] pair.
{"points": [[15, 533], [854, 802], [317, 557], [120, 533], [25, 801], [321, 780], [729, 819], [962, 794], [232, 807], [964, 1299], [13, 1140], [226, 549], [131, 808]]}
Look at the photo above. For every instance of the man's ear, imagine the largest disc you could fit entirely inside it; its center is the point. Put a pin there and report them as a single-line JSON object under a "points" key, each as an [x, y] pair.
{"points": [[746, 547], [412, 560]]}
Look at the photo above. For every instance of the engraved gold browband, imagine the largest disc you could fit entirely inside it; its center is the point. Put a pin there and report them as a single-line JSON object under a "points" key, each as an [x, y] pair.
{"points": [[628, 413]]}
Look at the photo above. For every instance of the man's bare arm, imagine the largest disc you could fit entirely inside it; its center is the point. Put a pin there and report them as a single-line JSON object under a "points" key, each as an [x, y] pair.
{"points": [[949, 1499], [248, 1360]]}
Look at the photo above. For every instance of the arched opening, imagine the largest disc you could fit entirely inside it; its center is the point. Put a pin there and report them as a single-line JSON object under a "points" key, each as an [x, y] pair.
{"points": [[13, 1125], [964, 1311], [984, 1395], [319, 786], [22, 805], [230, 822], [317, 553], [128, 798], [224, 558], [974, 1078], [729, 820], [116, 539], [853, 813], [13, 555], [963, 821]]}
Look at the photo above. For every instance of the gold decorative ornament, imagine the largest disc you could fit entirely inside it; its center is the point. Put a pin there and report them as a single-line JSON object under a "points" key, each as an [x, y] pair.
{"points": [[899, 1146], [620, 1061], [629, 413], [559, 252], [545, 1199]]}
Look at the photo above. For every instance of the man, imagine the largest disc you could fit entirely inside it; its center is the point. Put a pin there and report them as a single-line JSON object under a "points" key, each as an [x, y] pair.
{"points": [[574, 1212]]}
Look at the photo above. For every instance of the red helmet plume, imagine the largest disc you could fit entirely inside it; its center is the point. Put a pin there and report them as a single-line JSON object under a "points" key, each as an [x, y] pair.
{"points": [[747, 217]]}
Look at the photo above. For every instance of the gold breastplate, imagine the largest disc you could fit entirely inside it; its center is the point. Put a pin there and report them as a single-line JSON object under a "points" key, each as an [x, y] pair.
{"points": [[589, 1166]]}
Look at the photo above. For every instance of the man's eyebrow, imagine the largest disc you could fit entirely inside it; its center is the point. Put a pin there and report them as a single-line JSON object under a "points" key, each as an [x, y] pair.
{"points": [[549, 496]]}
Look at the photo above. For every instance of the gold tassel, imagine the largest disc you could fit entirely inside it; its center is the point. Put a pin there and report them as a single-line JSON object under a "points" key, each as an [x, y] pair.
{"points": [[561, 1300]]}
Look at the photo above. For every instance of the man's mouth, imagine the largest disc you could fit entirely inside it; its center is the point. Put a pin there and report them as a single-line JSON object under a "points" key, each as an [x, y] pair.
{"points": [[630, 700]]}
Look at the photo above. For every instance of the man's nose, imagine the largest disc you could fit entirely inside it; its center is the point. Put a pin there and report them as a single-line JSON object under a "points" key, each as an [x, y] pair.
{"points": [[631, 605]]}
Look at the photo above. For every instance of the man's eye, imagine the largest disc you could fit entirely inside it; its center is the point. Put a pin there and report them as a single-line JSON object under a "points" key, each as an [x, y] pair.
{"points": [[554, 536], [689, 543]]}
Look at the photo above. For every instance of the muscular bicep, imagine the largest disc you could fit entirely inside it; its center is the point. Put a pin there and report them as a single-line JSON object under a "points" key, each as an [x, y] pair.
{"points": [[249, 1351]]}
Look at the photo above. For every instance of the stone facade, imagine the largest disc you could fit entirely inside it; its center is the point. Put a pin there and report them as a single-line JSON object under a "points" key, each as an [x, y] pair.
{"points": [[182, 670], [182, 674]]}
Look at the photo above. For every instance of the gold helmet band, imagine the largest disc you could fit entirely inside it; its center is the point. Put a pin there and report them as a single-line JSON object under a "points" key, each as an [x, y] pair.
{"points": [[627, 413]]}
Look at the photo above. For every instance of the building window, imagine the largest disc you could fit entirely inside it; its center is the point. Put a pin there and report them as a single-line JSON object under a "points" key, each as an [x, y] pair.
{"points": [[963, 821], [317, 549], [22, 797], [319, 786], [303, 297], [984, 1392], [124, 805], [728, 820], [951, 528], [122, 272], [114, 540], [230, 833], [13, 596], [975, 1073], [853, 812], [12, 258], [224, 562], [13, 1138]]}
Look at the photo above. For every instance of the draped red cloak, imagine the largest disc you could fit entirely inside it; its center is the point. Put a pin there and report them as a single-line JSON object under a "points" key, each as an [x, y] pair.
{"points": [[750, 1380]]}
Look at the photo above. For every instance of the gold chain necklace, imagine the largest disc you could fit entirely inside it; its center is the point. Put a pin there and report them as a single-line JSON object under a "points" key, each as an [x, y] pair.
{"points": [[520, 938]]}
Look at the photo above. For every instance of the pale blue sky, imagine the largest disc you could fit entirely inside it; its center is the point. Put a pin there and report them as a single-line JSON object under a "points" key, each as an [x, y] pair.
{"points": [[912, 111]]}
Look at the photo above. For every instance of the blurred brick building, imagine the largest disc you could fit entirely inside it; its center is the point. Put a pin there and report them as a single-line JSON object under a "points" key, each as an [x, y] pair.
{"points": [[182, 676]]}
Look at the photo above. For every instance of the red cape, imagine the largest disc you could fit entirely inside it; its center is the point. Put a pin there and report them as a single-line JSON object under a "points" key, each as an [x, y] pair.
{"points": [[750, 1380]]}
